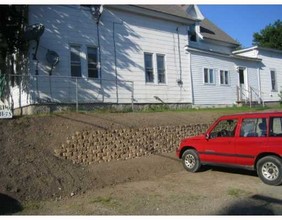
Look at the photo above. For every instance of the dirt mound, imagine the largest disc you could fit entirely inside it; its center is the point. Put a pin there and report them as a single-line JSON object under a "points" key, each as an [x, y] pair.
{"points": [[29, 170]]}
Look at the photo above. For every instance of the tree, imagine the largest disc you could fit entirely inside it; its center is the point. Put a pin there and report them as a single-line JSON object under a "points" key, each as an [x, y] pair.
{"points": [[12, 21], [270, 36]]}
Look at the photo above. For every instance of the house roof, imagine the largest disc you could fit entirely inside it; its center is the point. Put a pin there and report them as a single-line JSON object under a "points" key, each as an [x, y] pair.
{"points": [[208, 29], [176, 10], [211, 31], [256, 48]]}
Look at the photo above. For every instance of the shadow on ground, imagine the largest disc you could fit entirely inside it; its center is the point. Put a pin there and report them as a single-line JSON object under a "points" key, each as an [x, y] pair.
{"points": [[228, 170], [254, 205], [9, 205]]}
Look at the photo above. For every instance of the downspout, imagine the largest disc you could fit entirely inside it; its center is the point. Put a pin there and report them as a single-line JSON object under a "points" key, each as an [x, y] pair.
{"points": [[180, 82], [99, 49], [259, 86], [115, 57], [191, 79]]}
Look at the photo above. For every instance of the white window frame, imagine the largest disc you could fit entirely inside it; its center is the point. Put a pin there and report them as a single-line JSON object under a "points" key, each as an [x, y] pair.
{"points": [[275, 78], [165, 79], [209, 78], [224, 77], [80, 53]]}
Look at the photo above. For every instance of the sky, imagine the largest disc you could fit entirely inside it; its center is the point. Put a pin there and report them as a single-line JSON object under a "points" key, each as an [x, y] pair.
{"points": [[242, 21]]}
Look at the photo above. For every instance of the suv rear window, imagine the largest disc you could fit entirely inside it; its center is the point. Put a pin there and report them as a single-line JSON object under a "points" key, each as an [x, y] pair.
{"points": [[253, 127], [276, 127]]}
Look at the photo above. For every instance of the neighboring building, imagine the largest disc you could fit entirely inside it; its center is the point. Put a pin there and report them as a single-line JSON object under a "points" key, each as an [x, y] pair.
{"points": [[270, 71], [141, 54]]}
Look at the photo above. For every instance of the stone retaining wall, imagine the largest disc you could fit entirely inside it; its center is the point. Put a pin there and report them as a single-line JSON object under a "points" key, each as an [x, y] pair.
{"points": [[97, 146]]}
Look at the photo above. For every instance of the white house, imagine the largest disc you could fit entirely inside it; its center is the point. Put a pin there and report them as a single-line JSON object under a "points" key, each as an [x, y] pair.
{"points": [[270, 72], [140, 54]]}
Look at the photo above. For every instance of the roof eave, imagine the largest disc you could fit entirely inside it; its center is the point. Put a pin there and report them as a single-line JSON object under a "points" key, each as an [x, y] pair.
{"points": [[223, 54]]}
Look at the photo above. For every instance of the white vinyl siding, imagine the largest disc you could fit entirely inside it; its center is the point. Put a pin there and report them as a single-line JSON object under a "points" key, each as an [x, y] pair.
{"points": [[121, 74]]}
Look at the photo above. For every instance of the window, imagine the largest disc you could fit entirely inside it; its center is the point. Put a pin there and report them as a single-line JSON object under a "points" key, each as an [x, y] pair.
{"points": [[209, 76], [276, 127], [149, 71], [225, 128], [224, 77], [75, 61], [253, 127], [161, 68], [192, 33], [92, 62], [273, 80]]}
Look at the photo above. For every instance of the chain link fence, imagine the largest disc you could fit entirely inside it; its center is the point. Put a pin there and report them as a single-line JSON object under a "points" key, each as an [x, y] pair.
{"points": [[23, 90]]}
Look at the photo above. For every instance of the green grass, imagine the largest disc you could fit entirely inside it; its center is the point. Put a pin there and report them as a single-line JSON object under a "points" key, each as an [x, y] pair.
{"points": [[108, 201], [235, 192]]}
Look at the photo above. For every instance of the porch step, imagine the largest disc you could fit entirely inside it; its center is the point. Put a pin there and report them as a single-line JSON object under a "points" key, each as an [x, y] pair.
{"points": [[247, 103]]}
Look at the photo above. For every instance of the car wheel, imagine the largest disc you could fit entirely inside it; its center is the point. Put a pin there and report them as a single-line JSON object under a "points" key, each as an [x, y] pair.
{"points": [[269, 170], [191, 161]]}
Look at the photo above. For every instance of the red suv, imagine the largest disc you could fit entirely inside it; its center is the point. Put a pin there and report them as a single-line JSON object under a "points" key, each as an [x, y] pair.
{"points": [[248, 140]]}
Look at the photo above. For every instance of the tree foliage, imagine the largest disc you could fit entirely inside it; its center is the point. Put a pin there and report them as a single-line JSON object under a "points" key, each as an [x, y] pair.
{"points": [[12, 21], [270, 36]]}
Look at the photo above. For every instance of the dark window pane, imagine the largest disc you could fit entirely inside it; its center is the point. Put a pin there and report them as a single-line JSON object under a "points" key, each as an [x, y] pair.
{"points": [[211, 76], [149, 68], [75, 61], [226, 78], [221, 77], [161, 68], [93, 73], [92, 62], [273, 80], [241, 76], [206, 76], [75, 53], [76, 71]]}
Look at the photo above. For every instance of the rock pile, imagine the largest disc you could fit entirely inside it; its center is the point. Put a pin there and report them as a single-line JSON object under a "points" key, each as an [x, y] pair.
{"points": [[97, 146]]}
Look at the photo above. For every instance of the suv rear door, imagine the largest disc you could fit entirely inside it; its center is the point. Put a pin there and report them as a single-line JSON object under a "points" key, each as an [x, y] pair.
{"points": [[251, 140]]}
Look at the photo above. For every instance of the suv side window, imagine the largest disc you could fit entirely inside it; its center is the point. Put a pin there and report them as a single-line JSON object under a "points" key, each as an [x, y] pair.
{"points": [[225, 128], [276, 127], [253, 127]]}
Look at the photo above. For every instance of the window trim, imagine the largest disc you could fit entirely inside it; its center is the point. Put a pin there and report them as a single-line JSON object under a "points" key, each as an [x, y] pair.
{"points": [[70, 61], [228, 74], [214, 76], [165, 75]]}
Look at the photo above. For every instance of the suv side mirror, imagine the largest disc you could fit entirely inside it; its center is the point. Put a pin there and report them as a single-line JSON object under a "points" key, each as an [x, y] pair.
{"points": [[207, 136]]}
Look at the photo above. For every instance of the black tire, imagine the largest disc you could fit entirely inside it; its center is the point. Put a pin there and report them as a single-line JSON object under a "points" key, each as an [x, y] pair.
{"points": [[191, 161], [269, 170]]}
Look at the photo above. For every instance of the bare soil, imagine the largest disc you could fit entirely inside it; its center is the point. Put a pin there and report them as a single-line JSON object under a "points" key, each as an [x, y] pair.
{"points": [[34, 181]]}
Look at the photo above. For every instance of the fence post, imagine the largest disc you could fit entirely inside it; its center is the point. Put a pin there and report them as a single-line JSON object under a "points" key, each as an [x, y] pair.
{"points": [[76, 94], [251, 96], [132, 96]]}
